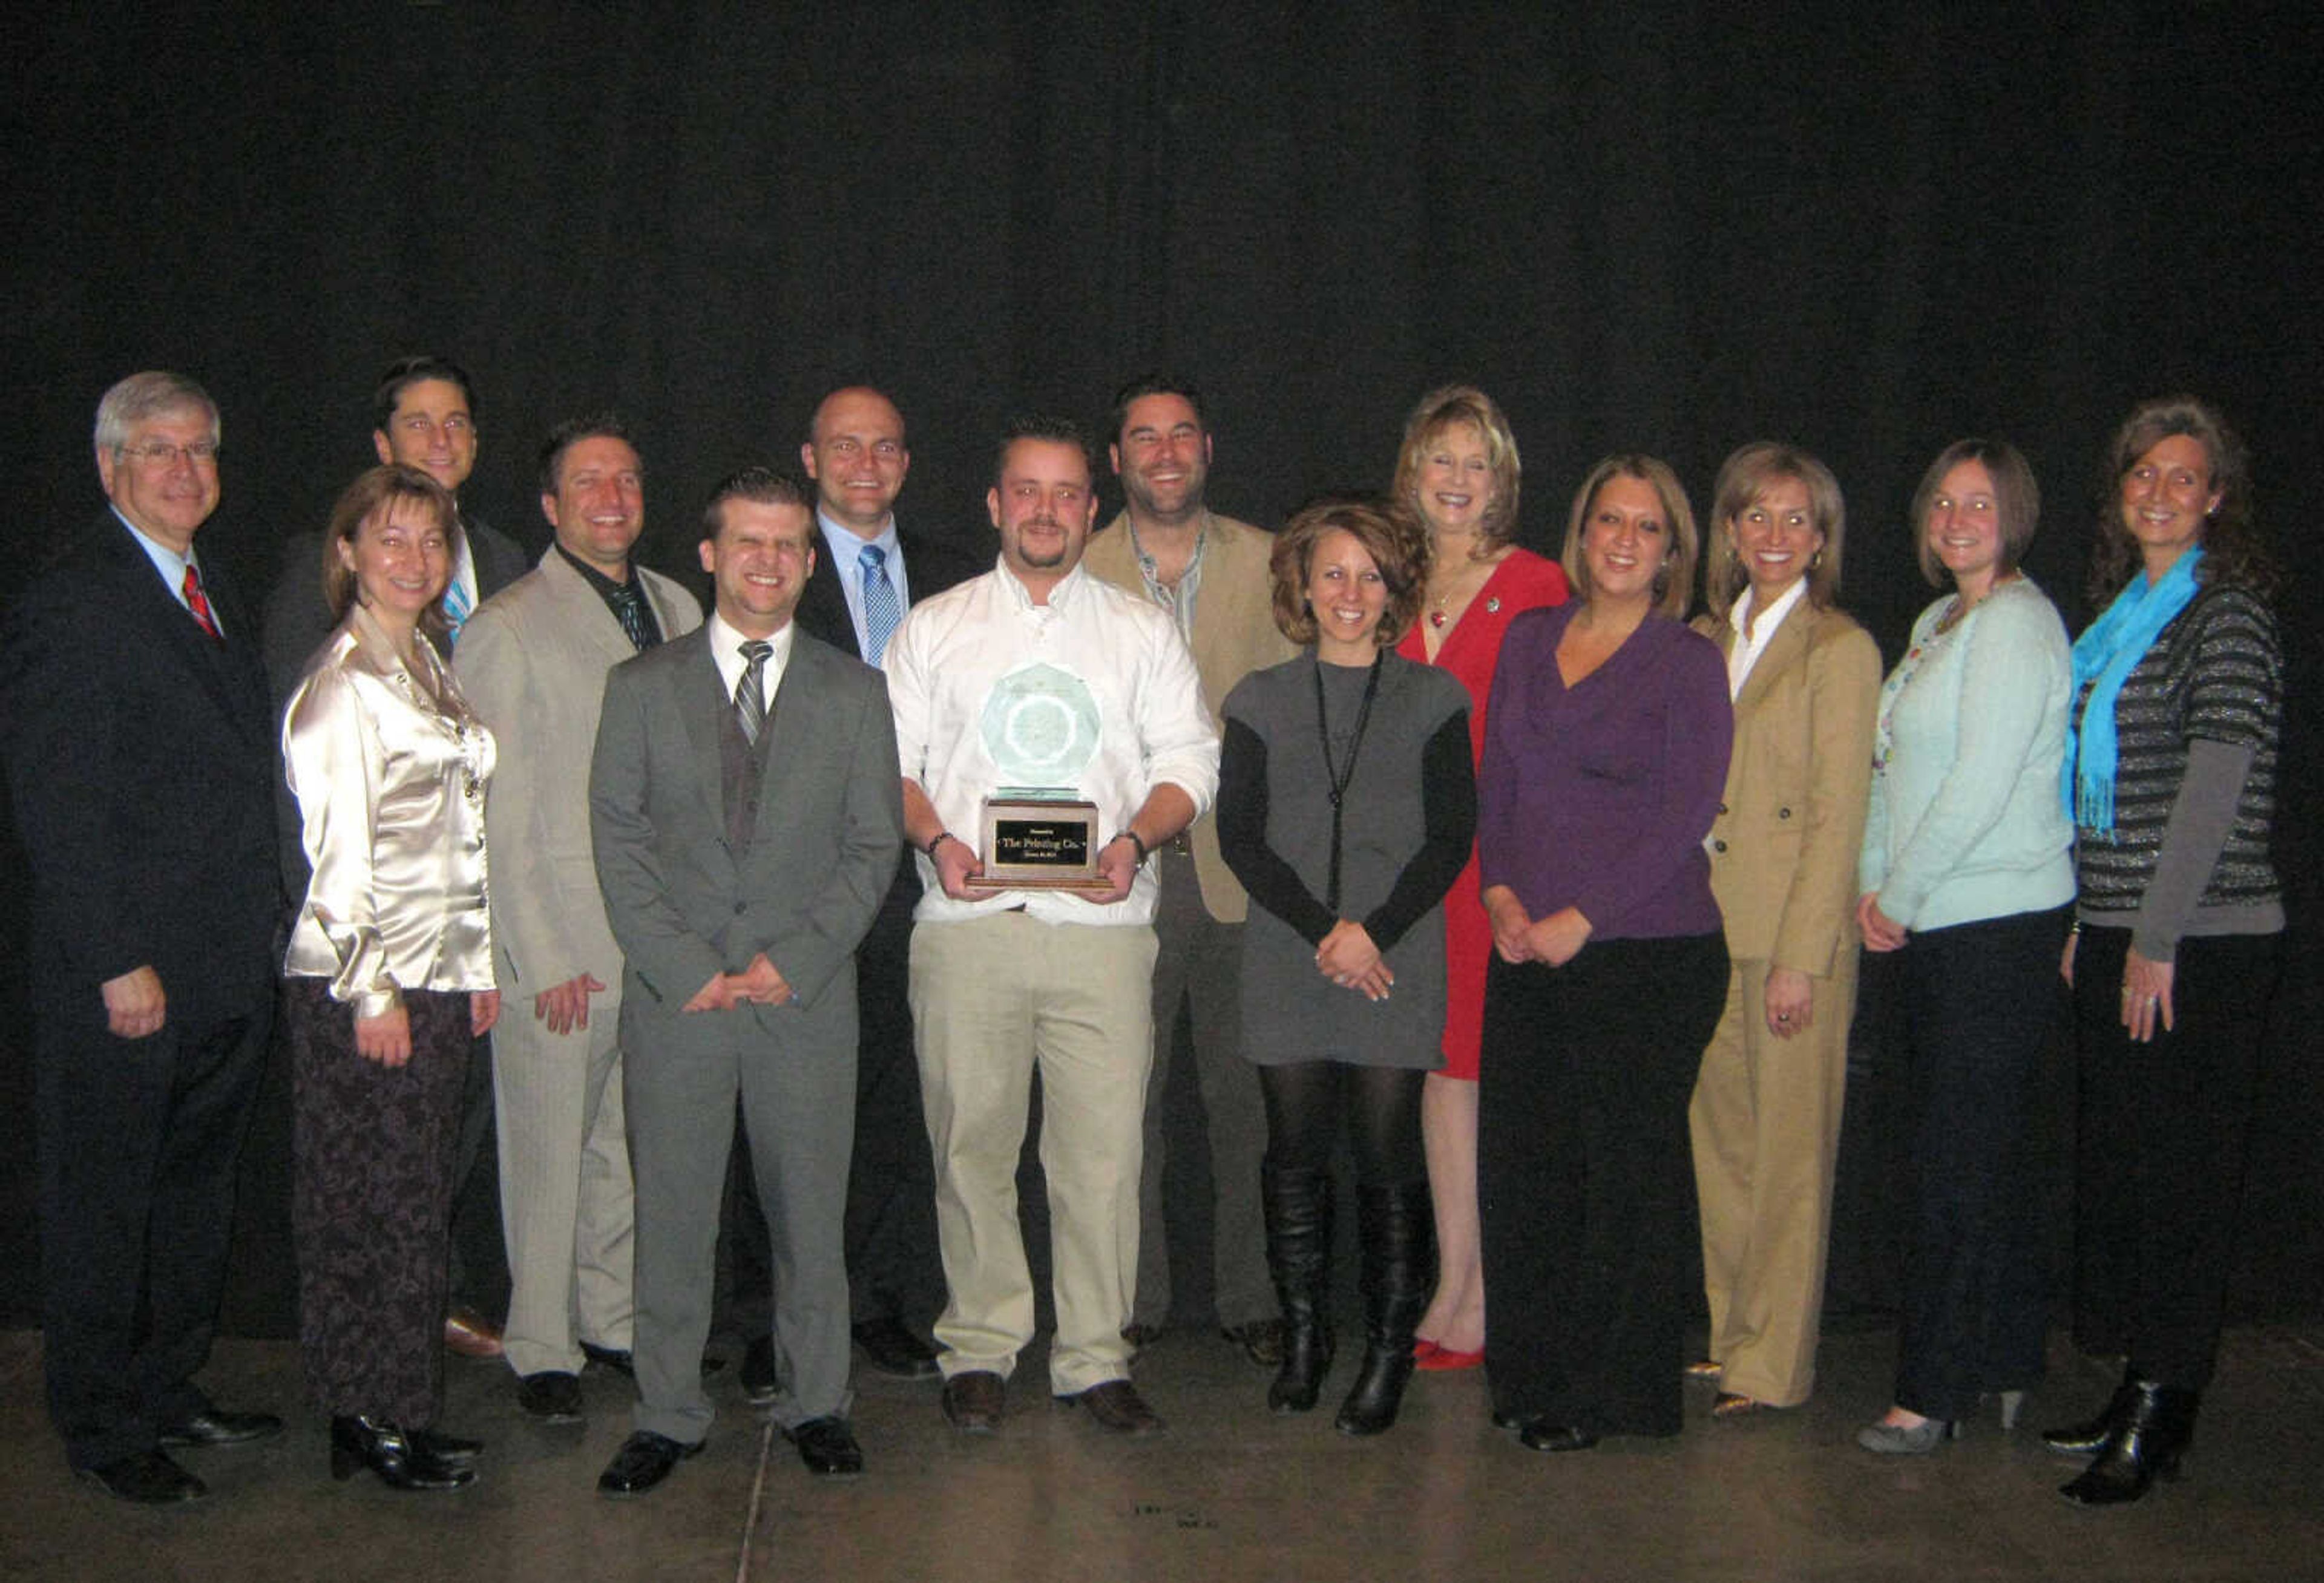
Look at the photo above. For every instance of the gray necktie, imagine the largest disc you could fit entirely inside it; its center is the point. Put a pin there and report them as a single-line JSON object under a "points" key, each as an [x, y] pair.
{"points": [[751, 693]]}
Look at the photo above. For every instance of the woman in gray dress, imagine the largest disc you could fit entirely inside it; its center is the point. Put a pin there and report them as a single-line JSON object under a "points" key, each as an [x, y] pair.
{"points": [[1347, 801]]}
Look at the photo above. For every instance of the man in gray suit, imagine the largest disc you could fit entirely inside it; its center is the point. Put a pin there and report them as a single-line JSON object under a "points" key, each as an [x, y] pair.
{"points": [[533, 660], [745, 804]]}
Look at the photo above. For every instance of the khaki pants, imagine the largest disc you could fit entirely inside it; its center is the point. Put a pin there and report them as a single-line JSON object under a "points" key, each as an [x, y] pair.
{"points": [[992, 998]]}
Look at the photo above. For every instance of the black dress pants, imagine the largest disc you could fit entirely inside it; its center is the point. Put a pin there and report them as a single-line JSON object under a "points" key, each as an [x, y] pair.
{"points": [[138, 1142], [1585, 1178], [1983, 1008], [2164, 1137]]}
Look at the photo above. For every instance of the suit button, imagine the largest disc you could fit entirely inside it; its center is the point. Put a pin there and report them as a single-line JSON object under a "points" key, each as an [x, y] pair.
{"points": [[1782, 813], [740, 908], [1719, 846], [1722, 807]]}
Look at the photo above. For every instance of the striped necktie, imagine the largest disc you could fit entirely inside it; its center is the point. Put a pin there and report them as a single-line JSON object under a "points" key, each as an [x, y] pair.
{"points": [[750, 694], [198, 602], [880, 611]]}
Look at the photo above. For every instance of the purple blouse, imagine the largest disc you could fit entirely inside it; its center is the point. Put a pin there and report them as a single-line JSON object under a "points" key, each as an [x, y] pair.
{"points": [[1598, 796]]}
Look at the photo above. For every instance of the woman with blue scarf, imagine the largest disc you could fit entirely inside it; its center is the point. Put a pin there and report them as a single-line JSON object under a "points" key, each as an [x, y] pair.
{"points": [[2178, 943], [1966, 873]]}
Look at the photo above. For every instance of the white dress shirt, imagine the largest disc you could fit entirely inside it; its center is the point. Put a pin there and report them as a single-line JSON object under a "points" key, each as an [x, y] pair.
{"points": [[1747, 649], [947, 658]]}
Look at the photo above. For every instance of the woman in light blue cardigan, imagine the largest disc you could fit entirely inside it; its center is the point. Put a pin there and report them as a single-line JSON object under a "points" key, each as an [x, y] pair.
{"points": [[1967, 870]]}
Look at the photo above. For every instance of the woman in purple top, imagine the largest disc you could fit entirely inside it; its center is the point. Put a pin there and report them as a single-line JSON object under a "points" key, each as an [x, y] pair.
{"points": [[1606, 747]]}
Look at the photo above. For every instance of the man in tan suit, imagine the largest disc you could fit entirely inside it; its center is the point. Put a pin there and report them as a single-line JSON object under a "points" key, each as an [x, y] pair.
{"points": [[1210, 572], [533, 660]]}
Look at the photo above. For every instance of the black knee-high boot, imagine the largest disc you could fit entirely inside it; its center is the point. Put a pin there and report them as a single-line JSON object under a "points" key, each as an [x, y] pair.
{"points": [[1298, 1205], [1400, 1268]]}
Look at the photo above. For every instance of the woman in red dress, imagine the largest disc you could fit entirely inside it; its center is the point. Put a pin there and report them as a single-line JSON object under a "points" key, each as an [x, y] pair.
{"points": [[1458, 469]]}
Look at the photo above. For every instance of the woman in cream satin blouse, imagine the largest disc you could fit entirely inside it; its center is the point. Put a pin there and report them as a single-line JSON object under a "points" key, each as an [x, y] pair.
{"points": [[1766, 1107], [391, 978]]}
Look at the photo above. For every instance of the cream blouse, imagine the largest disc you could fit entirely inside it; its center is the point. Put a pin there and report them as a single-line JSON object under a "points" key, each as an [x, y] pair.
{"points": [[390, 770]]}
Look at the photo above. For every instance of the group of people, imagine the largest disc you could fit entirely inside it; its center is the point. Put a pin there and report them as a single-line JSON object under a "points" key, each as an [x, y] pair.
{"points": [[1491, 864]]}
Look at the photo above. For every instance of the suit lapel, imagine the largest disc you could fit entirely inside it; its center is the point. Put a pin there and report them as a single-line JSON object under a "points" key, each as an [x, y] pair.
{"points": [[213, 662], [1791, 639]]}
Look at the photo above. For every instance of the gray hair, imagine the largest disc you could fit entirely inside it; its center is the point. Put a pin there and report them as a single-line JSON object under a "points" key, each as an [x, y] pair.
{"points": [[146, 395]]}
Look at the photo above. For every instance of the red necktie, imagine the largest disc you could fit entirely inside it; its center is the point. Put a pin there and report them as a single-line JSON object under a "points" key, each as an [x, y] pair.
{"points": [[195, 602]]}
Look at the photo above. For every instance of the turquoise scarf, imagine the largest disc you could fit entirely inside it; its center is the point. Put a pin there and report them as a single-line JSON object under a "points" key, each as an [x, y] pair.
{"points": [[2107, 650]]}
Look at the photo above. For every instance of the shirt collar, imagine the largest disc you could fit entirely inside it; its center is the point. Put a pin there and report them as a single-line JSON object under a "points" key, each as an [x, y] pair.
{"points": [[837, 537]]}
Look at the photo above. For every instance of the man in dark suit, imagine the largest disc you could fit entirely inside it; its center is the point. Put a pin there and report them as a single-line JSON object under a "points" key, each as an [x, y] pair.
{"points": [[139, 750], [856, 454], [746, 813], [424, 415]]}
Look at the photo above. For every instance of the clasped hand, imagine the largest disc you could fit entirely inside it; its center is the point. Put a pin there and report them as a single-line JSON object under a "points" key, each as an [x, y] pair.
{"points": [[1350, 959], [759, 984]]}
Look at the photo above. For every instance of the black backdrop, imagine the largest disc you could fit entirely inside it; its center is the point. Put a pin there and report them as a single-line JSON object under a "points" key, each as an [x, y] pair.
{"points": [[1867, 229]]}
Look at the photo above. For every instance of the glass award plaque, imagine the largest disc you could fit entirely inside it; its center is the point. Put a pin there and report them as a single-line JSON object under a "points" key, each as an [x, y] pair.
{"points": [[1040, 727]]}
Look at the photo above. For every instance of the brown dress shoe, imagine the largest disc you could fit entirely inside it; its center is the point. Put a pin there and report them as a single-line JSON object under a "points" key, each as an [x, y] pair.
{"points": [[972, 1401], [1117, 1406], [471, 1334]]}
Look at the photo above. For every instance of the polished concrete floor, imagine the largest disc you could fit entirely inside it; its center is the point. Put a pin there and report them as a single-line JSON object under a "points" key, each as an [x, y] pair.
{"points": [[1230, 1494]]}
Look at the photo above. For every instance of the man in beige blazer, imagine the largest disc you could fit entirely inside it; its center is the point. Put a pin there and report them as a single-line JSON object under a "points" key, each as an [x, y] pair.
{"points": [[533, 660], [1210, 573]]}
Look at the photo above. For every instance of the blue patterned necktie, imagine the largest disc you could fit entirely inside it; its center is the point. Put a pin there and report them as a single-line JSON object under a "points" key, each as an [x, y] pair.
{"points": [[456, 607], [880, 611]]}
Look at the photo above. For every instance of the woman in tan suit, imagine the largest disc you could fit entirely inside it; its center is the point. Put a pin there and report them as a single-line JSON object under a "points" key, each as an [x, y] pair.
{"points": [[1765, 1115]]}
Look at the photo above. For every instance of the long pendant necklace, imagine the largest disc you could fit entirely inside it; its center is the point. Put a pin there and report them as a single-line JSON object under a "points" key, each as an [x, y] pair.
{"points": [[1340, 775]]}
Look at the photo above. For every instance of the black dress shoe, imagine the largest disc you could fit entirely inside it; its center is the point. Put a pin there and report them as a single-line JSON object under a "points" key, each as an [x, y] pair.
{"points": [[1540, 1434], [643, 1461], [452, 1449], [216, 1426], [894, 1350], [756, 1375], [395, 1454], [145, 1478], [973, 1401], [616, 1358], [828, 1446], [552, 1396], [1117, 1406], [1140, 1335], [1261, 1340]]}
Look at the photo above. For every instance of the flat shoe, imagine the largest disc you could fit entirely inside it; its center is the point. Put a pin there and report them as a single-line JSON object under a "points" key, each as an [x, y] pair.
{"points": [[642, 1464], [145, 1478], [973, 1401], [1117, 1406], [894, 1351], [827, 1446], [1897, 1439], [1705, 1369], [551, 1396], [217, 1427], [1735, 1404], [1541, 1435]]}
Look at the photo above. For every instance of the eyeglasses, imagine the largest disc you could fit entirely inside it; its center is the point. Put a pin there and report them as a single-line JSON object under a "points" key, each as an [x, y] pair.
{"points": [[162, 454]]}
